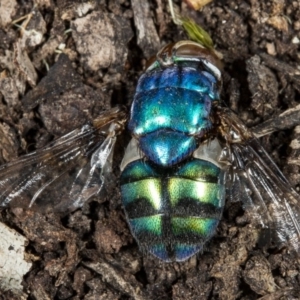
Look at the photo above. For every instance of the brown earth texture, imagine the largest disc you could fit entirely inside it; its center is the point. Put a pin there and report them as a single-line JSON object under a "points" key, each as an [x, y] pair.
{"points": [[64, 62]]}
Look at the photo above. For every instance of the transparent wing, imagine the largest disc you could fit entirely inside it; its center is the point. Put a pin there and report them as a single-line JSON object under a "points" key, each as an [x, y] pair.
{"points": [[255, 180], [65, 174]]}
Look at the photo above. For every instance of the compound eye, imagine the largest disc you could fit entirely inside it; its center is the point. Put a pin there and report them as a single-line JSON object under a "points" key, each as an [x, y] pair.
{"points": [[191, 50], [188, 49]]}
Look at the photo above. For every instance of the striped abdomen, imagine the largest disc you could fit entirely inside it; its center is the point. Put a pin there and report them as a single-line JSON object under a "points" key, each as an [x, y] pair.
{"points": [[172, 212]]}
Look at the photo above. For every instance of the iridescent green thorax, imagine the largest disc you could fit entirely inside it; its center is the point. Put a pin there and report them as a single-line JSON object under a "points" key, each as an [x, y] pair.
{"points": [[172, 212]]}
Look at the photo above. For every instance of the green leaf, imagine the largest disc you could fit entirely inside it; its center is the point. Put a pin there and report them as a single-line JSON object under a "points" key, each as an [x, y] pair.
{"points": [[196, 33]]}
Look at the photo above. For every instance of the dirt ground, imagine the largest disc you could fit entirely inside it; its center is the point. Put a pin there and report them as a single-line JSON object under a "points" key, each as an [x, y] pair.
{"points": [[75, 59]]}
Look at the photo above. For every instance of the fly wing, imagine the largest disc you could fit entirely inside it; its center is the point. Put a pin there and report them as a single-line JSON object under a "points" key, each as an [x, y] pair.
{"points": [[255, 180], [62, 176]]}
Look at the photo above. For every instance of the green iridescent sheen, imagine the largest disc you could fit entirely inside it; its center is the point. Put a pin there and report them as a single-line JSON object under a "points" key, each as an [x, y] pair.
{"points": [[199, 170], [137, 171], [150, 224], [173, 213], [204, 192], [203, 227], [149, 190]]}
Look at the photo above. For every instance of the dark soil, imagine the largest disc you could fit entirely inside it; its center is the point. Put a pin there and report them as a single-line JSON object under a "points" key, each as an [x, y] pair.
{"points": [[90, 253]]}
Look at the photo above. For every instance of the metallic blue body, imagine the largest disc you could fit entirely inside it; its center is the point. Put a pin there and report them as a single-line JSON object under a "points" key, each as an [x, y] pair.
{"points": [[170, 111], [173, 195]]}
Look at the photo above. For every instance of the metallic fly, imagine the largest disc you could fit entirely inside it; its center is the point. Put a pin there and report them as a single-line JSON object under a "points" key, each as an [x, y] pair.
{"points": [[186, 153]]}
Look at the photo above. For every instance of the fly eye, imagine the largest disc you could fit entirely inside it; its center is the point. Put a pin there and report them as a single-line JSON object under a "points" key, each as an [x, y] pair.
{"points": [[188, 50]]}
